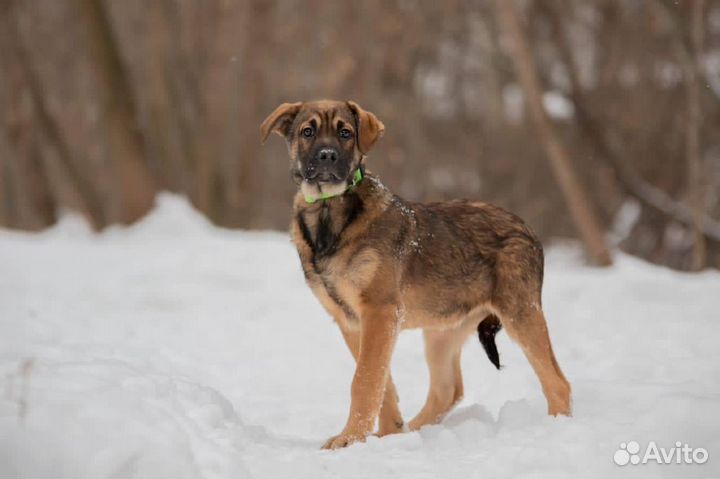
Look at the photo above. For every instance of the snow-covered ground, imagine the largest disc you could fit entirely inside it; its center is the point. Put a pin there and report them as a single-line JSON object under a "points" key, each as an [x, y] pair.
{"points": [[176, 349]]}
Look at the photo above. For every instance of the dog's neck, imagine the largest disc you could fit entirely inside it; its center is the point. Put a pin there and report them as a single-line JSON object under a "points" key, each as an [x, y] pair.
{"points": [[314, 193], [323, 222]]}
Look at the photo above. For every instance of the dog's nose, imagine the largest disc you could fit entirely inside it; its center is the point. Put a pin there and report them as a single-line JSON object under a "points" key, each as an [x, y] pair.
{"points": [[326, 155]]}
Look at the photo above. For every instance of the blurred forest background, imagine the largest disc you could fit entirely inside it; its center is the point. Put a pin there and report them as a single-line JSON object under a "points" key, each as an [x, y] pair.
{"points": [[595, 119]]}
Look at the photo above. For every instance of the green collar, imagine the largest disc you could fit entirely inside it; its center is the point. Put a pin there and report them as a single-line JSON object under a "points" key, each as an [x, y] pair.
{"points": [[357, 178]]}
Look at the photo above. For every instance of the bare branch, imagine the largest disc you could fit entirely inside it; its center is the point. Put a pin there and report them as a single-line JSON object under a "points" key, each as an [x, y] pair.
{"points": [[610, 149], [563, 169]]}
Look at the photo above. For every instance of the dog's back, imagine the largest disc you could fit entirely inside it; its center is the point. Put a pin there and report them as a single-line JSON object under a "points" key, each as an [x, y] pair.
{"points": [[448, 255]]}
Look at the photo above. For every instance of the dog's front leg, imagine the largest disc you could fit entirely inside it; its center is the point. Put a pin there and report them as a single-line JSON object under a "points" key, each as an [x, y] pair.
{"points": [[379, 331]]}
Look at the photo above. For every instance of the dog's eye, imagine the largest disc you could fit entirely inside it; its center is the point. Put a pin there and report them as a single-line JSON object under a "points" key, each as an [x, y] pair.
{"points": [[345, 133], [307, 132]]}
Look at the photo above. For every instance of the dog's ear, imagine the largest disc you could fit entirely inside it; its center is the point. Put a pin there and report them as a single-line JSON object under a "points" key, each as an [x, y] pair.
{"points": [[370, 129], [280, 121]]}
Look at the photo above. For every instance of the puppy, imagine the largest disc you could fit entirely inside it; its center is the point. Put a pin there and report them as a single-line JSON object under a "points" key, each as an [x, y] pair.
{"points": [[380, 264]]}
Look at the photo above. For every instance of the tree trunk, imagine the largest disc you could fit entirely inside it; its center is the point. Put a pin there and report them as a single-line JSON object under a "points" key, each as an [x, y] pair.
{"points": [[562, 167], [248, 184], [28, 188], [692, 140], [136, 185], [86, 196]]}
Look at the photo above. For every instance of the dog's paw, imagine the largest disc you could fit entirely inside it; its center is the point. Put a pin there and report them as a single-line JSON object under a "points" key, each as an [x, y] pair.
{"points": [[342, 440], [391, 427]]}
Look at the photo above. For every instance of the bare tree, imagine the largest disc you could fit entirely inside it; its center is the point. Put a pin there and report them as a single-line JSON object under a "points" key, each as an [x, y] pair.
{"points": [[611, 149], [688, 53], [692, 67], [29, 188], [136, 184], [575, 197], [87, 197]]}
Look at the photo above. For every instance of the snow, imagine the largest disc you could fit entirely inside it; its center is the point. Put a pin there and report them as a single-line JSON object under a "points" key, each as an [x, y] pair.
{"points": [[176, 349], [558, 106]]}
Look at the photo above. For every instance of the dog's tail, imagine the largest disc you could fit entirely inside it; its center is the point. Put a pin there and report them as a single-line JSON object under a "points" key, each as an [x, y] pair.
{"points": [[487, 329]]}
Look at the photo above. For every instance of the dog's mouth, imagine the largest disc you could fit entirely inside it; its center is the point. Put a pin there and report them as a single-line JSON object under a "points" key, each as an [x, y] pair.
{"points": [[323, 177]]}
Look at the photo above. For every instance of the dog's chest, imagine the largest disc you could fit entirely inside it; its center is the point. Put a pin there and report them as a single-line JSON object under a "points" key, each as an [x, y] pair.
{"points": [[321, 234], [324, 257], [331, 283], [324, 229]]}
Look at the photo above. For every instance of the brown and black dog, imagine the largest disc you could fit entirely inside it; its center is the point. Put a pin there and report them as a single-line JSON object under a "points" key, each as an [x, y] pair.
{"points": [[380, 264]]}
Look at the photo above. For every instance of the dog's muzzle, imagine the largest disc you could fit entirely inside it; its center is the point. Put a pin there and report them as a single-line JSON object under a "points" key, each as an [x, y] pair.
{"points": [[323, 167]]}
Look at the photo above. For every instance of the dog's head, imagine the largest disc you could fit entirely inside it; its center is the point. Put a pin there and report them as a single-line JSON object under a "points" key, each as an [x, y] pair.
{"points": [[327, 141]]}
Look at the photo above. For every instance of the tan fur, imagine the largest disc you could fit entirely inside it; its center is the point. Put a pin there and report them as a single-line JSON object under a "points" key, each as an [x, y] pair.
{"points": [[379, 264]]}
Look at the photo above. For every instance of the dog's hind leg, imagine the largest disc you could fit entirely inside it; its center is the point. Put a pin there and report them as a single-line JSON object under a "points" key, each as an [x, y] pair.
{"points": [[442, 351], [516, 300], [529, 330], [390, 420]]}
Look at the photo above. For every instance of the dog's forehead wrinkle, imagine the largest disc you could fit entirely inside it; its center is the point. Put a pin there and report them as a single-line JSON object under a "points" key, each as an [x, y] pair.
{"points": [[327, 124]]}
